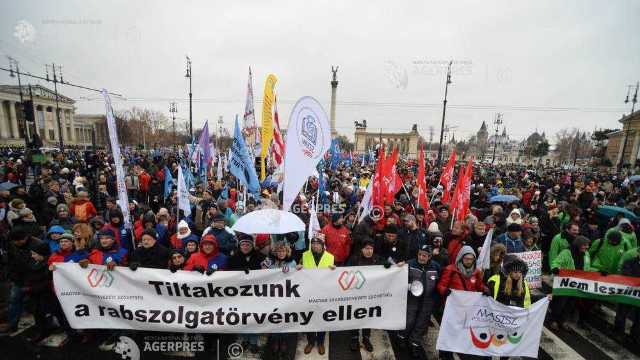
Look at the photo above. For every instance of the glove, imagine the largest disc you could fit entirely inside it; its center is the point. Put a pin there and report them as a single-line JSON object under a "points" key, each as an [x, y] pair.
{"points": [[199, 269], [134, 266], [604, 273], [555, 271], [387, 265], [246, 271], [210, 271], [448, 292], [83, 263], [111, 265], [173, 268]]}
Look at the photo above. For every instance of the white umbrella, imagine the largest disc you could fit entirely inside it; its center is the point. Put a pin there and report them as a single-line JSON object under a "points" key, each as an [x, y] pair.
{"points": [[268, 221]]}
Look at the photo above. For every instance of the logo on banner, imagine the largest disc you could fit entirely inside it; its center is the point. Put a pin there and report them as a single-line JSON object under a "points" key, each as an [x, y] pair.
{"points": [[487, 328], [98, 278], [351, 280], [309, 131], [127, 348]]}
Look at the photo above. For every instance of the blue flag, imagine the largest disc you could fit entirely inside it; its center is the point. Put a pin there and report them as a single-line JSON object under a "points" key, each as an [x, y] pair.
{"points": [[168, 182], [240, 164], [335, 154]]}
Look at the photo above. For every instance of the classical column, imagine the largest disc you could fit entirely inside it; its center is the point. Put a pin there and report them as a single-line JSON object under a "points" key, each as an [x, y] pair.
{"points": [[334, 87], [72, 125], [633, 156], [15, 133], [4, 122]]}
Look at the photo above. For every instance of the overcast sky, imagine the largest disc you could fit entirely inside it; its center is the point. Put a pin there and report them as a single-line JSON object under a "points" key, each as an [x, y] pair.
{"points": [[544, 64]]}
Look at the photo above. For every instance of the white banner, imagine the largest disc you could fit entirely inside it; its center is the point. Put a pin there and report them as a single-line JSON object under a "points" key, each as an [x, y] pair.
{"points": [[123, 199], [478, 325], [308, 138], [183, 194], [533, 259], [263, 301]]}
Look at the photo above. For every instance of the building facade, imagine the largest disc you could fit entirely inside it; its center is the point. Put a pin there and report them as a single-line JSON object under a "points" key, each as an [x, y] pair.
{"points": [[76, 130], [407, 143], [617, 151]]}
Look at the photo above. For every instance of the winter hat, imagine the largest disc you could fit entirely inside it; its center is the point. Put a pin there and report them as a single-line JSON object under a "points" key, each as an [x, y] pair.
{"points": [[62, 207], [318, 237], [209, 238], [150, 232], [367, 241], [66, 236], [181, 225], [512, 263], [433, 227], [42, 249], [437, 234], [16, 203], [391, 229], [580, 241], [245, 238], [427, 248], [25, 212], [52, 200], [410, 217], [262, 240], [56, 229]]}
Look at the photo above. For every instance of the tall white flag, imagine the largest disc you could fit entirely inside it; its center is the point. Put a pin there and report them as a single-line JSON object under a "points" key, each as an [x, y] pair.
{"points": [[314, 224], [484, 260], [219, 172], [123, 199], [366, 204], [308, 138], [183, 194]]}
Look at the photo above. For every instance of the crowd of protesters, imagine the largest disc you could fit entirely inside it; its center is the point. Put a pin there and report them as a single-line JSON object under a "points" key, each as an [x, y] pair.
{"points": [[68, 213]]}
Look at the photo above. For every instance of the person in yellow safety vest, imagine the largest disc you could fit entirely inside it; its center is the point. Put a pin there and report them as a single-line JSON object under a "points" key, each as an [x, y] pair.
{"points": [[509, 287], [316, 258]]}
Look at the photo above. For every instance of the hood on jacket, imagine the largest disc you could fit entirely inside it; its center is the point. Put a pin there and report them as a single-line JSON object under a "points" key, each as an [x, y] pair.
{"points": [[183, 224], [212, 240], [498, 249], [464, 251]]}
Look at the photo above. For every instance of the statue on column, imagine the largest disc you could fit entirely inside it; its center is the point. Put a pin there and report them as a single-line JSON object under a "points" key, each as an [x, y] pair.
{"points": [[334, 70]]}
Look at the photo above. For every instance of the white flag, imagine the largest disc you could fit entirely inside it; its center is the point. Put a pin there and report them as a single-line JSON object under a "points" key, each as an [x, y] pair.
{"points": [[484, 260], [183, 194], [123, 199], [219, 172], [314, 224], [308, 138], [366, 204]]}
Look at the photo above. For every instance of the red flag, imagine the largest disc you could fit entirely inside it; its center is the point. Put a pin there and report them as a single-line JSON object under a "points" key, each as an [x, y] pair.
{"points": [[462, 194], [446, 178], [377, 193], [422, 184], [278, 144], [392, 182]]}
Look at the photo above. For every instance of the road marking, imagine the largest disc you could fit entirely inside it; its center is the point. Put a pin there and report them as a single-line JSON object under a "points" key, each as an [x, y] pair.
{"points": [[556, 348]]}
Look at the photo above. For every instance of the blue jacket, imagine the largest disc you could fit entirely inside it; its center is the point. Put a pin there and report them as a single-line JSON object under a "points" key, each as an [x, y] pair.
{"points": [[513, 245]]}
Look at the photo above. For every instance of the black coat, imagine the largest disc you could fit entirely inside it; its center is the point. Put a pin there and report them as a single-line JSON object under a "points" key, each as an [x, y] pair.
{"points": [[20, 262], [155, 257], [240, 261]]}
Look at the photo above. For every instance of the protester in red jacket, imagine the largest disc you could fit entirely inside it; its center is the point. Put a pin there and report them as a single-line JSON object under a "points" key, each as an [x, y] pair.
{"points": [[82, 208], [337, 239], [145, 181], [462, 275], [208, 259], [108, 252], [455, 240]]}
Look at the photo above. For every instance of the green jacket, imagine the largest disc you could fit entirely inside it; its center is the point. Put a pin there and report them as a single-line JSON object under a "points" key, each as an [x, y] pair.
{"points": [[606, 257], [558, 243], [631, 239], [564, 260], [626, 256]]}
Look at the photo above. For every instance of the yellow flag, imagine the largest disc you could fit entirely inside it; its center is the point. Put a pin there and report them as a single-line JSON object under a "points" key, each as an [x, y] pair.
{"points": [[267, 122]]}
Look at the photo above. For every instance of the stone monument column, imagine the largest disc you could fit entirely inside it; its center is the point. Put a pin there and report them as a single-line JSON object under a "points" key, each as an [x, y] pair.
{"points": [[334, 87]]}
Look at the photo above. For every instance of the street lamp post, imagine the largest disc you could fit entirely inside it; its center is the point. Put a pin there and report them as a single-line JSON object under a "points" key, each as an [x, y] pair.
{"points": [[497, 122], [173, 109], [188, 75], [444, 110], [626, 135]]}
